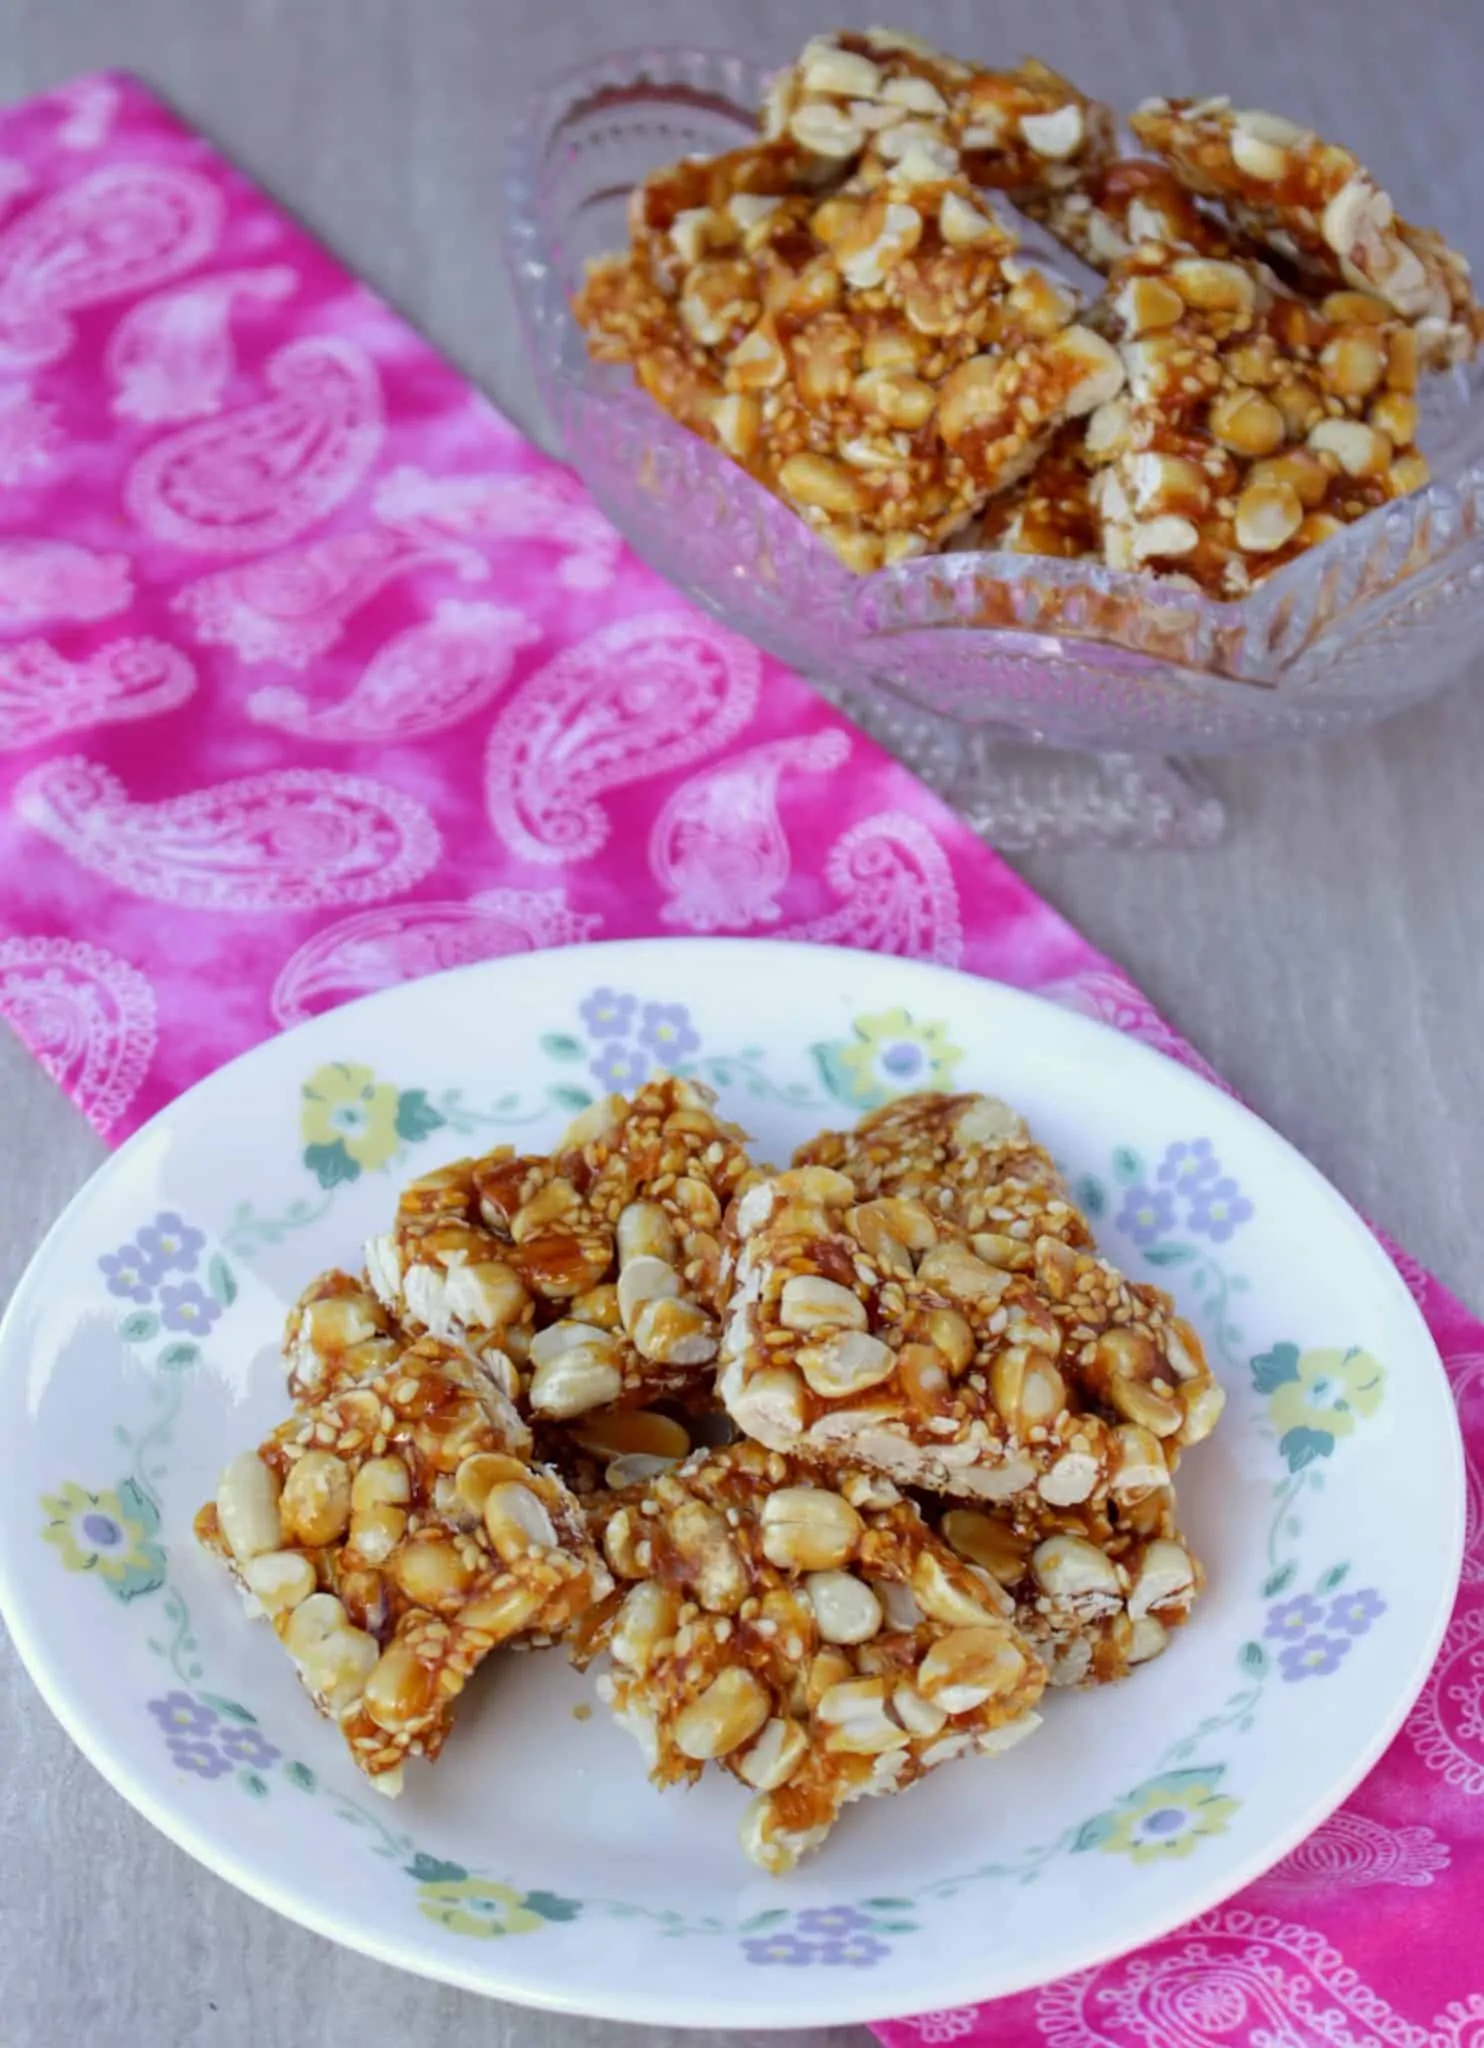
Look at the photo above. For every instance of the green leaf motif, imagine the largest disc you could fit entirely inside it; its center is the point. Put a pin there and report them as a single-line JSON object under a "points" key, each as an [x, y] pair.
{"points": [[761, 1920], [416, 1116], [558, 1046], [895, 1926], [1203, 1778], [552, 1906], [331, 1165], [570, 1098], [1254, 1658], [838, 1079], [137, 1579], [253, 1784], [231, 1708], [1302, 1446], [886, 1905], [1170, 1254], [1093, 1833], [1275, 1582], [222, 1280], [1127, 1166], [1271, 1369], [300, 1775], [1091, 1199], [137, 1504], [1335, 1576], [139, 1327], [176, 1357], [430, 1870]]}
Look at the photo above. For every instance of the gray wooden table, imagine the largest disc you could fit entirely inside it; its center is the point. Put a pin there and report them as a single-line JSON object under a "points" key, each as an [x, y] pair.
{"points": [[1326, 957]]}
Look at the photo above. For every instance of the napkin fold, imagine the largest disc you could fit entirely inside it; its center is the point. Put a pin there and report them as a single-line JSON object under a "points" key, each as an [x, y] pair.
{"points": [[314, 677]]}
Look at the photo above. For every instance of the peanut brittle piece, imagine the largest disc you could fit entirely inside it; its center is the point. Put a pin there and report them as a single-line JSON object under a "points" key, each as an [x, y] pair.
{"points": [[1315, 203], [813, 1637], [1050, 511], [592, 1271], [1255, 424], [970, 1161], [393, 1537], [336, 1333], [1096, 1590], [862, 1334], [1105, 215]]}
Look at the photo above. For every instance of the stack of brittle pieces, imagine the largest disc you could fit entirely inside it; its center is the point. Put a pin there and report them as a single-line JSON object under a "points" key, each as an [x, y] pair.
{"points": [[844, 306], [837, 1468]]}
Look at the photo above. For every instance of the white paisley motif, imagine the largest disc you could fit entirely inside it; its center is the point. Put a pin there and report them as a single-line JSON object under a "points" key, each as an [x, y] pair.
{"points": [[1110, 998], [287, 840], [43, 694], [55, 579], [88, 1016], [420, 682], [949, 2025], [718, 846], [171, 356], [1231, 1979], [899, 891], [1352, 1852], [28, 434], [292, 607], [92, 105], [380, 948], [1446, 1727], [638, 698], [255, 477], [550, 506], [119, 230]]}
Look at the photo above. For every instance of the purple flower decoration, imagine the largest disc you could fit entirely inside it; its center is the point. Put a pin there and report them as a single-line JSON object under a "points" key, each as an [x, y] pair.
{"points": [[188, 1307], [607, 1014], [247, 1746], [1147, 1213], [617, 1067], [129, 1272], [778, 1948], [1291, 1619], [1354, 1612], [668, 1032], [1314, 1658], [1217, 1208], [179, 1714], [860, 1951], [832, 1923], [169, 1241], [200, 1757], [1185, 1166]]}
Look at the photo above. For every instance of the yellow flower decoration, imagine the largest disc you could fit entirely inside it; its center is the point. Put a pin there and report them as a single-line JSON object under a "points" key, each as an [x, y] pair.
{"points": [[108, 1533], [1328, 1390], [1165, 1817], [477, 1906], [892, 1054], [348, 1113]]}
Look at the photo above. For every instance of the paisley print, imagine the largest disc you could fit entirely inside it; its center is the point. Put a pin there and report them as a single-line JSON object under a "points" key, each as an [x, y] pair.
{"points": [[287, 840], [256, 477], [44, 580], [1352, 1852], [121, 229], [28, 434], [171, 356], [1446, 1727], [87, 1015], [293, 607], [43, 694], [636, 699], [380, 948], [91, 105], [718, 847], [1110, 998], [541, 506], [422, 681], [898, 890]]}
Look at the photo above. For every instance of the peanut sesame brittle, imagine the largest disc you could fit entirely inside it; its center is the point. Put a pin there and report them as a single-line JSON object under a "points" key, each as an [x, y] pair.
{"points": [[812, 1637], [393, 1537]]}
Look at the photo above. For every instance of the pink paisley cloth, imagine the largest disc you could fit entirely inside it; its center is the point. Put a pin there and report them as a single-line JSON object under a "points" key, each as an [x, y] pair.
{"points": [[314, 676]]}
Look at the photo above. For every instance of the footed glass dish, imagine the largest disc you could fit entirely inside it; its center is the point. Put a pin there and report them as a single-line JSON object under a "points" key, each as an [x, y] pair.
{"points": [[1047, 700]]}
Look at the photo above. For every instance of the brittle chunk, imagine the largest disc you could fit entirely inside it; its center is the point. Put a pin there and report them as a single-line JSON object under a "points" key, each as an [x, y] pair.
{"points": [[1255, 424], [592, 1272], [813, 1637], [393, 1537], [1315, 203], [1119, 1349]]}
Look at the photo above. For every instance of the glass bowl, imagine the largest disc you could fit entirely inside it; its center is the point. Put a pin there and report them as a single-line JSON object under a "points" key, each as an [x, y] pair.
{"points": [[1043, 698]]}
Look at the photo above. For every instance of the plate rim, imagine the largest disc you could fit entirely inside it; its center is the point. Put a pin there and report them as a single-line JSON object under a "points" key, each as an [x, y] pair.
{"points": [[653, 2006]]}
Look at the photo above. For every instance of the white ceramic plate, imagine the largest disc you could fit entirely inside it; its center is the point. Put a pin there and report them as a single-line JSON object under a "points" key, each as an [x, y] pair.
{"points": [[535, 1862]]}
